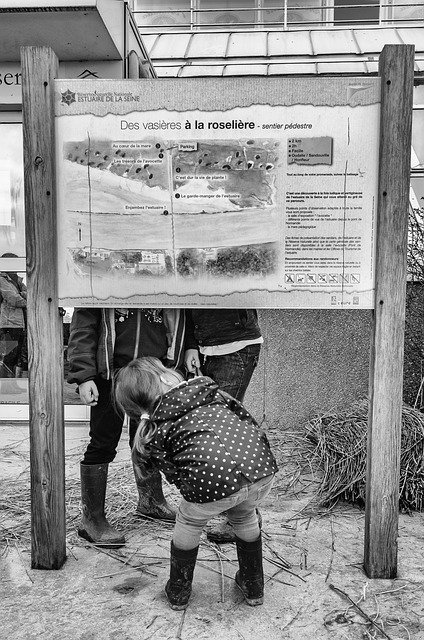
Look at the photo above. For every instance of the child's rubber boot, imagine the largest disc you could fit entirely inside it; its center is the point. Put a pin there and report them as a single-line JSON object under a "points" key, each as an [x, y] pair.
{"points": [[94, 526], [178, 587], [250, 577], [151, 501]]}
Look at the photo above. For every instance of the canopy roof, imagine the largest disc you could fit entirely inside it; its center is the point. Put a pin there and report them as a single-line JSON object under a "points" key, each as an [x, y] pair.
{"points": [[263, 52]]}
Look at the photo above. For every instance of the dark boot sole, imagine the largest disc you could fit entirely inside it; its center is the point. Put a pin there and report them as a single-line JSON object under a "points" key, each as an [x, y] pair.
{"points": [[252, 602], [110, 544], [174, 605], [178, 607], [154, 516]]}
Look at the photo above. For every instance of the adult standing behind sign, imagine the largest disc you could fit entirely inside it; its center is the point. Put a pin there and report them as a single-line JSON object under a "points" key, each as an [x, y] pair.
{"points": [[12, 322], [225, 345], [101, 342]]}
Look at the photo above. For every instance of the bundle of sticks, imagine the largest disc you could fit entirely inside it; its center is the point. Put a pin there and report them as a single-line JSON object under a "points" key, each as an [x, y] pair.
{"points": [[340, 450]]}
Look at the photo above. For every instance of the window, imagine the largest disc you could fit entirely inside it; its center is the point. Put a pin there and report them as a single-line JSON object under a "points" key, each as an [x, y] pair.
{"points": [[294, 13], [223, 13], [163, 13], [12, 218], [417, 156], [13, 343], [346, 13], [401, 12]]}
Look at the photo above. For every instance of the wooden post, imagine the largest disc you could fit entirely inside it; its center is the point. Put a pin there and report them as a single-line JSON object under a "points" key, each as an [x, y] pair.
{"points": [[46, 416], [384, 421]]}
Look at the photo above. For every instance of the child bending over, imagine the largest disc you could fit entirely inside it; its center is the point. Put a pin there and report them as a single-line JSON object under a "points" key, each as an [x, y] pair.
{"points": [[211, 448]]}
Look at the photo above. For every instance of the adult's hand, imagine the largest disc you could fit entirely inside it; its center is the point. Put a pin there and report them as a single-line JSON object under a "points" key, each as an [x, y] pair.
{"points": [[89, 393], [192, 360]]}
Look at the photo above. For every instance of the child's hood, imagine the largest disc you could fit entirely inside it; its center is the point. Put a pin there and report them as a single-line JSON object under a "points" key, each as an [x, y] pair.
{"points": [[186, 397]]}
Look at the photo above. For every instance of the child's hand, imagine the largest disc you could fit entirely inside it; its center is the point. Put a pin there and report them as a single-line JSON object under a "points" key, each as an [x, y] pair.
{"points": [[192, 360], [89, 393]]}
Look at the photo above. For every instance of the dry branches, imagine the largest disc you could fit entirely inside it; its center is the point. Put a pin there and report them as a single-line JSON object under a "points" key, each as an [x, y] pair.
{"points": [[340, 451]]}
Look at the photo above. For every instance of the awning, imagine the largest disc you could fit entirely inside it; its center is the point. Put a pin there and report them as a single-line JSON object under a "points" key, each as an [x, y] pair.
{"points": [[75, 30], [262, 52]]}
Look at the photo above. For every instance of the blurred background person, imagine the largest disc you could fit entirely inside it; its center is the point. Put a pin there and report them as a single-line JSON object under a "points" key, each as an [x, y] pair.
{"points": [[13, 339]]}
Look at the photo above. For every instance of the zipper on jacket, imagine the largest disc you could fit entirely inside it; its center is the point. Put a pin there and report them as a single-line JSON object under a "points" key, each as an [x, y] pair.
{"points": [[137, 334]]}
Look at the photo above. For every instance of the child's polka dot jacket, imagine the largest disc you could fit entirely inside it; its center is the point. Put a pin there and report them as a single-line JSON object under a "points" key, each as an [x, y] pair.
{"points": [[207, 444]]}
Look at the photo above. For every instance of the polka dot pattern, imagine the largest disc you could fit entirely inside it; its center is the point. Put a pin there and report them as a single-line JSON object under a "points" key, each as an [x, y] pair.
{"points": [[204, 446]]}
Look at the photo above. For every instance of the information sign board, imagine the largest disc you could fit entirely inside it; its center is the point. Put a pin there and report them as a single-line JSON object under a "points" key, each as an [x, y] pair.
{"points": [[217, 192]]}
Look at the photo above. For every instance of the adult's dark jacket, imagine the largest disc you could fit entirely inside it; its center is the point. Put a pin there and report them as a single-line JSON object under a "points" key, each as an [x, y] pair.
{"points": [[91, 347], [210, 327]]}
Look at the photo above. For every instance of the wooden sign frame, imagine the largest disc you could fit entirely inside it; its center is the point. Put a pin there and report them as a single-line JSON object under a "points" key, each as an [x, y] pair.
{"points": [[39, 68], [396, 69], [45, 342]]}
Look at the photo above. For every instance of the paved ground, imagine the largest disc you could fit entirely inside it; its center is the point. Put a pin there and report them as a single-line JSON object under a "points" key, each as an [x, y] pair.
{"points": [[99, 597]]}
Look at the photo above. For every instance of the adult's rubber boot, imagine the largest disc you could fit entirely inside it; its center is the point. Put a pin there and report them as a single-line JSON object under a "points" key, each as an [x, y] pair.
{"points": [[151, 501], [178, 587], [250, 577], [94, 526]]}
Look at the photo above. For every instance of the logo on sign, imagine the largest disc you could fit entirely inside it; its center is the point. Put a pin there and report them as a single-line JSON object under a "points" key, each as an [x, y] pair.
{"points": [[68, 97]]}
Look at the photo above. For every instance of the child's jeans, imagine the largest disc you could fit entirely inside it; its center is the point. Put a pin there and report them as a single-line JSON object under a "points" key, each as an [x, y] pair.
{"points": [[240, 508]]}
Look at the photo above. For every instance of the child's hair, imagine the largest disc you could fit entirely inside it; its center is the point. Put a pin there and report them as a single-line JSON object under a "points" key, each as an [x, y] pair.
{"points": [[137, 389]]}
